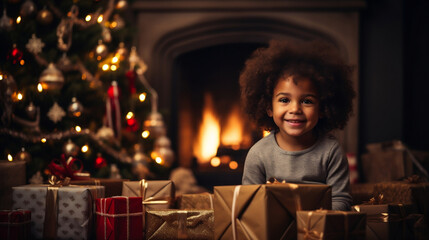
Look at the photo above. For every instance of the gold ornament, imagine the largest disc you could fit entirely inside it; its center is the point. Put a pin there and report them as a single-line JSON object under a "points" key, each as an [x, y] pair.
{"points": [[75, 108], [51, 78], [45, 16], [23, 156], [70, 149], [101, 50]]}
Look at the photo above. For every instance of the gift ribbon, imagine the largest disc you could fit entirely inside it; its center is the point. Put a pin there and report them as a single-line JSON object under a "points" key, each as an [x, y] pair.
{"points": [[234, 203], [9, 223], [182, 216], [72, 167]]}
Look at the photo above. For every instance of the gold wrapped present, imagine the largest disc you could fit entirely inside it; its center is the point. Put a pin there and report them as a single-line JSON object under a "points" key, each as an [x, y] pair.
{"points": [[389, 221], [179, 224], [195, 201], [266, 211], [329, 224], [156, 194]]}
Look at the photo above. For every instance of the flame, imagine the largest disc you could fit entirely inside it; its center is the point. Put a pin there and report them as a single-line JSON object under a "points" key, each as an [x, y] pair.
{"points": [[232, 134], [208, 140]]}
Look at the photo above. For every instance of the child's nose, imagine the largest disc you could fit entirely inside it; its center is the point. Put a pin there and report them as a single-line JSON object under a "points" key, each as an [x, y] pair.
{"points": [[295, 107]]}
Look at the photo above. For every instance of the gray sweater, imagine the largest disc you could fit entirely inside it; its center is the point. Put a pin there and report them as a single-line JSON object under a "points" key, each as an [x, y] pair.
{"points": [[322, 163]]}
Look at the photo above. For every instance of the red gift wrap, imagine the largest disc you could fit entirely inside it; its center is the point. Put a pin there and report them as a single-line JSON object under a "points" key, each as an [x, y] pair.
{"points": [[15, 224], [119, 218]]}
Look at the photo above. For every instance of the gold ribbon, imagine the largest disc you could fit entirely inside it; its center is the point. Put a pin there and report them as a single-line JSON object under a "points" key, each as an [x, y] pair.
{"points": [[182, 217]]}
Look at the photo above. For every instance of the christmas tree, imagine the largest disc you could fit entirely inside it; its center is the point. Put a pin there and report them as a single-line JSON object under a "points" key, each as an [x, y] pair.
{"points": [[73, 95]]}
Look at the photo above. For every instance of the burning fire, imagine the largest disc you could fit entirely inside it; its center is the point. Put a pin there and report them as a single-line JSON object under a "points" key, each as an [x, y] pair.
{"points": [[211, 134]]}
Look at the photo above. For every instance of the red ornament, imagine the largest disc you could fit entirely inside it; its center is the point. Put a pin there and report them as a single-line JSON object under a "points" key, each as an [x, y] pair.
{"points": [[132, 124], [15, 55], [131, 76], [100, 162]]}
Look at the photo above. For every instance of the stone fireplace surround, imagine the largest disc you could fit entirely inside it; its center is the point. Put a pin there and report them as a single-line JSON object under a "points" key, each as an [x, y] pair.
{"points": [[169, 29]]}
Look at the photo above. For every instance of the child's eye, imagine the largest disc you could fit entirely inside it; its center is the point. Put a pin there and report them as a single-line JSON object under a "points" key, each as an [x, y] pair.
{"points": [[284, 100], [307, 101]]}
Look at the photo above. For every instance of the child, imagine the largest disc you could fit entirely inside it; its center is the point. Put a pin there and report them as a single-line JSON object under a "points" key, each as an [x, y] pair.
{"points": [[300, 92]]}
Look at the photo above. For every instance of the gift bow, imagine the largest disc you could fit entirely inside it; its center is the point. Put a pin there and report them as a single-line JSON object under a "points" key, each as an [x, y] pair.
{"points": [[72, 168]]}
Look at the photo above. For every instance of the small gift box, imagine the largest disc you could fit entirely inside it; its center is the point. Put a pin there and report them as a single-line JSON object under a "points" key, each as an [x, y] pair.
{"points": [[179, 224], [15, 224], [266, 211], [388, 221], [329, 224], [112, 187], [119, 218], [195, 201], [59, 212], [156, 194], [11, 174]]}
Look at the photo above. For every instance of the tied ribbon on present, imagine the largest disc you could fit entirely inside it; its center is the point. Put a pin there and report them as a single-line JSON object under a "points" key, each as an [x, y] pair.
{"points": [[379, 199], [72, 168], [150, 200]]}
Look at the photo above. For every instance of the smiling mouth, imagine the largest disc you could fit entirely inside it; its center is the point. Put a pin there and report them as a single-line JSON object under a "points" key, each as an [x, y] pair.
{"points": [[295, 121]]}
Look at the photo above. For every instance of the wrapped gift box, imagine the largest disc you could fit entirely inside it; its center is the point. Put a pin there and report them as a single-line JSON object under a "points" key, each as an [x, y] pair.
{"points": [[195, 201], [361, 192], [266, 211], [387, 221], [119, 218], [11, 174], [59, 212], [179, 224], [15, 224], [112, 187], [329, 224], [157, 194], [404, 192]]}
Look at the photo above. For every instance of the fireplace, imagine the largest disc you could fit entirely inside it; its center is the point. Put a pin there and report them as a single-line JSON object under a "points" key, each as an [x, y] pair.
{"points": [[195, 49]]}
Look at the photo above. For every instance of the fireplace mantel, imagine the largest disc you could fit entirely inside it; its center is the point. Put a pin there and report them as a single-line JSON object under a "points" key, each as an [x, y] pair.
{"points": [[168, 29]]}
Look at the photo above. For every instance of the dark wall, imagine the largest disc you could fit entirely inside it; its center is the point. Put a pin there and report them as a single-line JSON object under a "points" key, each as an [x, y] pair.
{"points": [[394, 97]]}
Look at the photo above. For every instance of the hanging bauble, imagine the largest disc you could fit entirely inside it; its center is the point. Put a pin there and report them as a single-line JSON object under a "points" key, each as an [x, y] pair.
{"points": [[5, 21], [75, 108], [51, 78], [23, 156], [56, 113], [28, 8], [100, 162], [132, 124], [31, 110], [35, 44], [101, 50], [139, 155], [45, 16], [15, 55], [70, 149], [105, 134], [162, 152], [122, 51], [154, 124]]}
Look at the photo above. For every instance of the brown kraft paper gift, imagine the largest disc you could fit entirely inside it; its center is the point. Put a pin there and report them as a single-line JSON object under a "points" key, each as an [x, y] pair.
{"points": [[266, 211]]}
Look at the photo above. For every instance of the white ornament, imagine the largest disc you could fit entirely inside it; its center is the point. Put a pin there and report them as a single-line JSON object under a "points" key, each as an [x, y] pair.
{"points": [[35, 45], [56, 113]]}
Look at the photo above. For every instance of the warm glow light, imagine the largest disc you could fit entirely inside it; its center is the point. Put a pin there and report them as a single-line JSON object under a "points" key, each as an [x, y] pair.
{"points": [[83, 76], [158, 160], [142, 97], [113, 24], [100, 19], [145, 134], [9, 158], [85, 148], [88, 18], [233, 165], [115, 59], [208, 140], [130, 115], [78, 128], [22, 62], [19, 96], [18, 19], [43, 140], [233, 132], [105, 67], [1, 77], [215, 162], [265, 133], [39, 87], [113, 68]]}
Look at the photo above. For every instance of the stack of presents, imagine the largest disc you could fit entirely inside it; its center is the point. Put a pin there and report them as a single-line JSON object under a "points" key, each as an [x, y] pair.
{"points": [[121, 209]]}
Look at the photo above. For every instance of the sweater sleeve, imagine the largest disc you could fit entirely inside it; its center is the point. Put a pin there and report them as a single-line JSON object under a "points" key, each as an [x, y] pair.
{"points": [[254, 171], [338, 178]]}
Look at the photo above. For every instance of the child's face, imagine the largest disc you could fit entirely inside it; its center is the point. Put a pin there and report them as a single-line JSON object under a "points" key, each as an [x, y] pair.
{"points": [[295, 108]]}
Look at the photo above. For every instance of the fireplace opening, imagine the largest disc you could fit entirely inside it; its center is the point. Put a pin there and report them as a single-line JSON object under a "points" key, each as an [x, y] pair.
{"points": [[213, 134]]}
